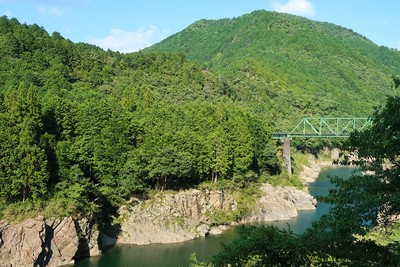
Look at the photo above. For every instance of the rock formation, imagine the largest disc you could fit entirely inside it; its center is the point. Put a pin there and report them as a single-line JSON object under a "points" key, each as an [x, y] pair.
{"points": [[170, 218], [280, 203], [51, 242], [163, 218], [37, 242], [183, 216], [21, 244], [310, 173]]}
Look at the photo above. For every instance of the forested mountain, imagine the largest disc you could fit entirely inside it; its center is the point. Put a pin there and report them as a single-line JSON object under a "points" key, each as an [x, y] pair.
{"points": [[84, 127], [285, 65]]}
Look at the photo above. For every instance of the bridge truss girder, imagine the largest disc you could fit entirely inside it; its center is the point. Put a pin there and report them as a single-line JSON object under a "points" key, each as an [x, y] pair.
{"points": [[325, 127]]}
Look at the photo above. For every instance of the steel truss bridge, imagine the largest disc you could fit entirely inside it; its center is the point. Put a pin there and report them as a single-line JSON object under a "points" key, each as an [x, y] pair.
{"points": [[319, 127], [325, 127]]}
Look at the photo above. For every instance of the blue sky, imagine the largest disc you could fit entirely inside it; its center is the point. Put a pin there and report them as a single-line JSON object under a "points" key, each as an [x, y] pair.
{"points": [[129, 25]]}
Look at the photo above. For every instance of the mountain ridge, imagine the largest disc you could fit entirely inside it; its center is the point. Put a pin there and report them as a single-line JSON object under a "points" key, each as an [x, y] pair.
{"points": [[271, 58]]}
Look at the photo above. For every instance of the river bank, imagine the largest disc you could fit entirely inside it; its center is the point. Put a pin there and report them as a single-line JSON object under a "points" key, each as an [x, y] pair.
{"points": [[310, 172], [190, 214], [179, 254], [163, 218]]}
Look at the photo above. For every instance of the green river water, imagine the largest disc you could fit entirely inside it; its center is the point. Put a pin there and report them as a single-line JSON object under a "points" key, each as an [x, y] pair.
{"points": [[173, 255]]}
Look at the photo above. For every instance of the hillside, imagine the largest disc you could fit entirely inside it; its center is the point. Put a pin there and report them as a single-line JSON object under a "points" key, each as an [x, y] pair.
{"points": [[84, 129], [87, 128], [86, 132], [288, 66]]}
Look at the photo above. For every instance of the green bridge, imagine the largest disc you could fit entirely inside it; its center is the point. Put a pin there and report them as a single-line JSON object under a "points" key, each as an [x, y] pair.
{"points": [[325, 127], [319, 127]]}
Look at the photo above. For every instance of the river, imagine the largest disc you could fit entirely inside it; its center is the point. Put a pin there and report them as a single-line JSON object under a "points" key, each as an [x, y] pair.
{"points": [[173, 255]]}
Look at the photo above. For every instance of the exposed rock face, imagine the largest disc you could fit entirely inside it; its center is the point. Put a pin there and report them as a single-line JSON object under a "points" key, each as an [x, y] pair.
{"points": [[59, 244], [280, 203], [36, 242], [310, 173], [170, 218], [89, 236], [52, 242], [21, 244], [178, 217], [165, 218]]}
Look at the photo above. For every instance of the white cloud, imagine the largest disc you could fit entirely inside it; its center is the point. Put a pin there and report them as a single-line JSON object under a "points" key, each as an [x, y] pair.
{"points": [[126, 42], [9, 14], [52, 10], [296, 7], [55, 8], [395, 44]]}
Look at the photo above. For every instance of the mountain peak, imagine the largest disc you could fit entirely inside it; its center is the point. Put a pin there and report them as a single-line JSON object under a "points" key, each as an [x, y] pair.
{"points": [[291, 60]]}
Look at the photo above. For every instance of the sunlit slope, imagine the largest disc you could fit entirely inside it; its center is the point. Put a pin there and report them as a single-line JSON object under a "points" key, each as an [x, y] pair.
{"points": [[288, 66]]}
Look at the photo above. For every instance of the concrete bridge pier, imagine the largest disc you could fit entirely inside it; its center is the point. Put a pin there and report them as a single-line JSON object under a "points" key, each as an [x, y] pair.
{"points": [[286, 155]]}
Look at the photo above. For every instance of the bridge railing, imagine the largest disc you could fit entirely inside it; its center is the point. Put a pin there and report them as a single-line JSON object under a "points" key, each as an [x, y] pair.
{"points": [[325, 127]]}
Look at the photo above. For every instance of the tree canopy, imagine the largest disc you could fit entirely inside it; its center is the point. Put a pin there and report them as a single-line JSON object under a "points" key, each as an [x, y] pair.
{"points": [[362, 205], [88, 126], [290, 67]]}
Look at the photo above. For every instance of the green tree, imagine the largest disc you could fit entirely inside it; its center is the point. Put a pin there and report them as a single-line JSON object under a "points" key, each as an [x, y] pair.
{"points": [[220, 153], [375, 195], [23, 159], [263, 246], [367, 200], [360, 205]]}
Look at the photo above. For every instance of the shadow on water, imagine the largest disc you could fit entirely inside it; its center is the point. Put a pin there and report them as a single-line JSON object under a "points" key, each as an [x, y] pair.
{"points": [[178, 254]]}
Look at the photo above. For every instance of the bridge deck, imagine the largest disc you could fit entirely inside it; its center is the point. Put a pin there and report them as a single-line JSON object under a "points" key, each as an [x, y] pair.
{"points": [[325, 127], [280, 135]]}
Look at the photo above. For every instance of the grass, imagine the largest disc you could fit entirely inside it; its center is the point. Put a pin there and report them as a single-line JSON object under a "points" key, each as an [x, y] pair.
{"points": [[325, 156], [385, 236], [18, 212], [52, 208], [299, 161], [284, 180]]}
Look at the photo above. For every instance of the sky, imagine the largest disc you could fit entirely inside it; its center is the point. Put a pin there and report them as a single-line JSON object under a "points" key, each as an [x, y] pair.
{"points": [[131, 25]]}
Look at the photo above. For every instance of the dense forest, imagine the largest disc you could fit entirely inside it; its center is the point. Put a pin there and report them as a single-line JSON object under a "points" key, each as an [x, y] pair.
{"points": [[83, 126], [290, 67], [83, 129], [362, 226]]}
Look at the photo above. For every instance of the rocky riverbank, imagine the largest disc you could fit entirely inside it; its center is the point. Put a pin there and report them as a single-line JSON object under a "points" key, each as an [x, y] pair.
{"points": [[163, 218], [311, 172], [51, 242], [170, 217]]}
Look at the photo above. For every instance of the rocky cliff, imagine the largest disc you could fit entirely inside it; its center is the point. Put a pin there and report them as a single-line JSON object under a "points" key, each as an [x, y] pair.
{"points": [[170, 217], [280, 203], [187, 215], [311, 172], [51, 242], [162, 218], [36, 242]]}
